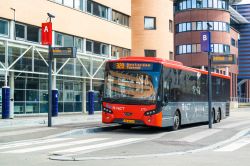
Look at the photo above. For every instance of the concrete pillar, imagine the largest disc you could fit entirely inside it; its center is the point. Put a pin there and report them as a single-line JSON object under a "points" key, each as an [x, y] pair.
{"points": [[12, 30], [53, 82], [110, 51], [12, 88], [84, 97]]}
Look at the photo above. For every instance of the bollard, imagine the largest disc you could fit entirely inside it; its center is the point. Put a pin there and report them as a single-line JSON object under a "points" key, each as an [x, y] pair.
{"points": [[5, 102], [91, 104], [55, 103]]}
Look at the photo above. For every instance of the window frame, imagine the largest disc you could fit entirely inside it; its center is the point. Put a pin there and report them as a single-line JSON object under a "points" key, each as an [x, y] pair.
{"points": [[8, 28], [92, 46], [150, 55], [82, 47], [25, 32], [149, 17], [39, 34]]}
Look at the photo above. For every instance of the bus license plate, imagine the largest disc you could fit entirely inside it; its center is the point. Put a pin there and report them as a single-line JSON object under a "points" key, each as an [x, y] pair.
{"points": [[129, 121]]}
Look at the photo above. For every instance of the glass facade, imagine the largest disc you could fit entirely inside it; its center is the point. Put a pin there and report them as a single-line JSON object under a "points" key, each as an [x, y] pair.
{"points": [[30, 79], [202, 26], [193, 4], [31, 95], [196, 48]]}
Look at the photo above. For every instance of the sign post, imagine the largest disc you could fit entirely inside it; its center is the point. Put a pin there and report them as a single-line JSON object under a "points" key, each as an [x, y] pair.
{"points": [[47, 40], [206, 47]]}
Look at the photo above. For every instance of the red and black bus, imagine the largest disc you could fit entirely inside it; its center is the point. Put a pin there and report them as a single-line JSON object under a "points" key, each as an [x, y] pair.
{"points": [[161, 93]]}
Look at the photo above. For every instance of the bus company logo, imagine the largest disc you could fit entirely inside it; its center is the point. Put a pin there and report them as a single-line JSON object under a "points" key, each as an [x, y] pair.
{"points": [[118, 108]]}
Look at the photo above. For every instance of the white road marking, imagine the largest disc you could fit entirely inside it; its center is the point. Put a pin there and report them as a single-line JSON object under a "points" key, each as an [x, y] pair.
{"points": [[97, 146], [21, 132], [27, 143], [235, 145], [199, 135], [232, 125], [40, 148]]}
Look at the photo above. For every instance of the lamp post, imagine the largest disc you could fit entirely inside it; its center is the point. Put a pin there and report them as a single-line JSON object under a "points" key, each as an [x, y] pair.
{"points": [[50, 80], [209, 80]]}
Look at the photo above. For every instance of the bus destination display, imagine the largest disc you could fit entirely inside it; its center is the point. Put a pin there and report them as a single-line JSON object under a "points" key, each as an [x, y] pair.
{"points": [[64, 52], [132, 66], [223, 59]]}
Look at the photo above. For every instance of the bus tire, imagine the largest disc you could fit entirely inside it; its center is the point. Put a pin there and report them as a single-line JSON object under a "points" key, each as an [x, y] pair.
{"points": [[213, 116], [176, 121], [218, 116]]}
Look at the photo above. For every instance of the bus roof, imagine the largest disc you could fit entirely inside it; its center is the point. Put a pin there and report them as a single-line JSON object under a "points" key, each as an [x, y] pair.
{"points": [[168, 63]]}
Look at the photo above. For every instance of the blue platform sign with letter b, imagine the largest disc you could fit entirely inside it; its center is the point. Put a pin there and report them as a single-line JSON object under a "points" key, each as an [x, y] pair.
{"points": [[205, 41]]}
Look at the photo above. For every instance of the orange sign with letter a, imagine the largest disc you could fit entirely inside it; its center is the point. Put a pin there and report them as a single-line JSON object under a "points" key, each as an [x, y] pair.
{"points": [[47, 33]]}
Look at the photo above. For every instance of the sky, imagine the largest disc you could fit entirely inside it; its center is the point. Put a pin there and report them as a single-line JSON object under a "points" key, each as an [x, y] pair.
{"points": [[245, 2]]}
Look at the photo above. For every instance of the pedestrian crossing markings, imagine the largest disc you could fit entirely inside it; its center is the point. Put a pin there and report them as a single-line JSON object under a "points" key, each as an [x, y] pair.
{"points": [[64, 145]]}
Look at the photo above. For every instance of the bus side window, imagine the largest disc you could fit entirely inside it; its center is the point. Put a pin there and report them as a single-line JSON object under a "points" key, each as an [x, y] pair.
{"points": [[167, 80]]}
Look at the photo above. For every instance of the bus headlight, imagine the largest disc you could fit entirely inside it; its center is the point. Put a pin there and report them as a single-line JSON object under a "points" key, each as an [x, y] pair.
{"points": [[149, 113], [106, 110]]}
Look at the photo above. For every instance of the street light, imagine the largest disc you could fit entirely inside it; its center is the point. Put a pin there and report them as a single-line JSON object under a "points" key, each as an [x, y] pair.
{"points": [[50, 79], [209, 79]]}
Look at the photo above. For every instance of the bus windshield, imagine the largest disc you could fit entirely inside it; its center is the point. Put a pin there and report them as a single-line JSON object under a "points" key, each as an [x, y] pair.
{"points": [[132, 87]]}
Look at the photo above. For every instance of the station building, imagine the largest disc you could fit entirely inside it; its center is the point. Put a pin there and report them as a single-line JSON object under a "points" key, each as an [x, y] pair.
{"points": [[100, 29], [191, 18]]}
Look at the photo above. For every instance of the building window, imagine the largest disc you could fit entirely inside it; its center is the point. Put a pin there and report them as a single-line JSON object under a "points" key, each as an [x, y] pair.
{"points": [[78, 44], [98, 48], [150, 53], [97, 9], [78, 4], [199, 26], [33, 33], [69, 3], [59, 1], [171, 27], [64, 40], [58, 39], [68, 41], [196, 48], [216, 4], [20, 31], [120, 18], [89, 46], [119, 52], [4, 27], [104, 49], [150, 23]]}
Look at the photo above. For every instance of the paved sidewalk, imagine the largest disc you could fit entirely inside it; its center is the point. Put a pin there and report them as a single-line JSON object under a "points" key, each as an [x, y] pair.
{"points": [[42, 120]]}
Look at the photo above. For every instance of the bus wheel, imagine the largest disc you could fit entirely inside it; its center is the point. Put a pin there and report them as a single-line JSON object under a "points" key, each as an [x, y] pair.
{"points": [[177, 121], [218, 116]]}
